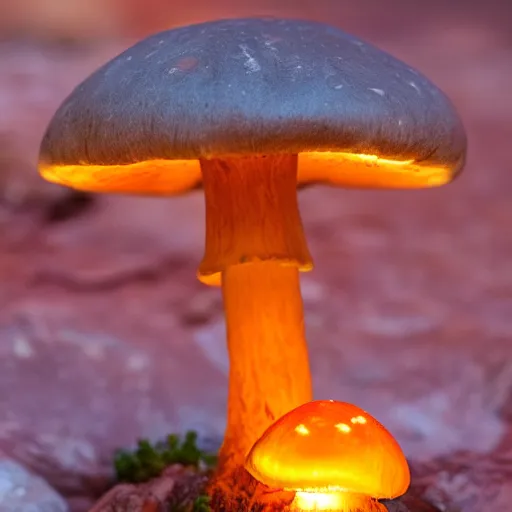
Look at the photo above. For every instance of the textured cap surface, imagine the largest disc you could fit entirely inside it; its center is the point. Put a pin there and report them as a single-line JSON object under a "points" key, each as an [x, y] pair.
{"points": [[249, 86]]}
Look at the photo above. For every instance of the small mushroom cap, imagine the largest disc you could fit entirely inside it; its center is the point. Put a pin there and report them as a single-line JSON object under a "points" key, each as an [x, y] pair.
{"points": [[326, 446], [355, 115]]}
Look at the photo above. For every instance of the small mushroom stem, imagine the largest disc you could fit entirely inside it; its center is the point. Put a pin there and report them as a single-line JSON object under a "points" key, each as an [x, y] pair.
{"points": [[335, 502], [255, 245]]}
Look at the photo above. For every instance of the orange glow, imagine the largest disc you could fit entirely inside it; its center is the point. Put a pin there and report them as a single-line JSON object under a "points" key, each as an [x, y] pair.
{"points": [[318, 501], [370, 171], [339, 501], [153, 177], [302, 430], [377, 160], [168, 177], [346, 450], [343, 427]]}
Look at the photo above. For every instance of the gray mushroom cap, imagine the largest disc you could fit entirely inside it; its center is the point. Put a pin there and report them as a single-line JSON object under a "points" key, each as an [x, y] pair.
{"points": [[250, 86]]}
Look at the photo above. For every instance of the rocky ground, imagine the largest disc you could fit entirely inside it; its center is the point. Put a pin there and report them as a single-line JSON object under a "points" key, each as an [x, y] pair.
{"points": [[106, 336]]}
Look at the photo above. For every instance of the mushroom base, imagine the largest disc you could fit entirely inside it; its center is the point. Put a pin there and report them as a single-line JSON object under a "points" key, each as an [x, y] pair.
{"points": [[335, 501]]}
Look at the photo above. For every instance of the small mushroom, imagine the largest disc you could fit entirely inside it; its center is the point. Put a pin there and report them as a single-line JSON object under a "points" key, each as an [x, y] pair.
{"points": [[334, 455], [249, 109]]}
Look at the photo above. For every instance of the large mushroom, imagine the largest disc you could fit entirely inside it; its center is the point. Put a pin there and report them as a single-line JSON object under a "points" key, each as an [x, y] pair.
{"points": [[249, 109]]}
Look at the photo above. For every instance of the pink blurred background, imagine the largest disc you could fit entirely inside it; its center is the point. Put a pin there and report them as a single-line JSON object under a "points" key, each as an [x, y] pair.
{"points": [[105, 335]]}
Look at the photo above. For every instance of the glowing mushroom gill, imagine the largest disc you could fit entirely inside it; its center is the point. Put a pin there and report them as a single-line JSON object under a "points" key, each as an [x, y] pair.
{"points": [[166, 177], [333, 455]]}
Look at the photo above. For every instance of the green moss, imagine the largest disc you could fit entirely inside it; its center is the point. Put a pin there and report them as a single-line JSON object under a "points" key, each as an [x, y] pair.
{"points": [[148, 460], [201, 504]]}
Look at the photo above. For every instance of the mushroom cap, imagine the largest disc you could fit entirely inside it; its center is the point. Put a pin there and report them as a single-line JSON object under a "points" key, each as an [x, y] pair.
{"points": [[355, 115], [326, 446]]}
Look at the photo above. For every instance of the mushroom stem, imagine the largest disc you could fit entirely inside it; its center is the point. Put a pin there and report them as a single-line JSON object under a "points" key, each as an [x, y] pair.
{"points": [[335, 502], [269, 365], [255, 245], [251, 214]]}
